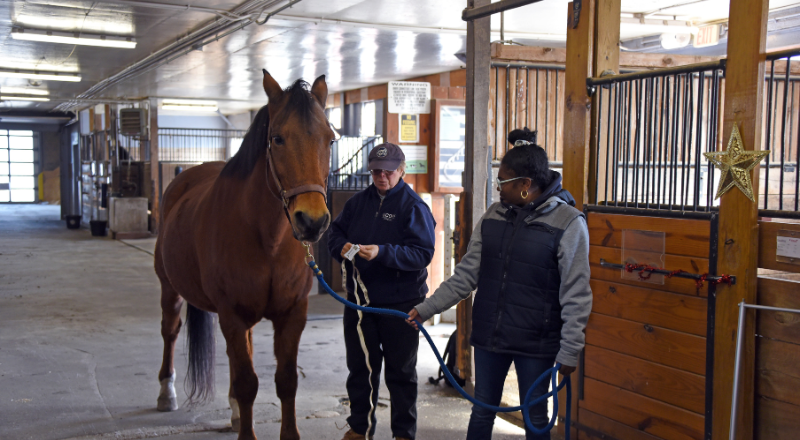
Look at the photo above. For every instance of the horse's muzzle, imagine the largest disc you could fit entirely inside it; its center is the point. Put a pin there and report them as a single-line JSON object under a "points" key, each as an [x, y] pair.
{"points": [[310, 229]]}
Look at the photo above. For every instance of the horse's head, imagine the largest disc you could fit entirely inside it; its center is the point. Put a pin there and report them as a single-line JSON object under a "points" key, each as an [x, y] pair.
{"points": [[299, 153]]}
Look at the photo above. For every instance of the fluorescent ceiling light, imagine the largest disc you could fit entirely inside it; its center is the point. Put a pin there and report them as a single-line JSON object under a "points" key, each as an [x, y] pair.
{"points": [[191, 108], [73, 38], [23, 98], [189, 105], [23, 91], [35, 74]]}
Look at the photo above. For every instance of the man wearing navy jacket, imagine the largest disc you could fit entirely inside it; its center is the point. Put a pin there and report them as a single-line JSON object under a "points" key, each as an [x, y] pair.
{"points": [[394, 231]]}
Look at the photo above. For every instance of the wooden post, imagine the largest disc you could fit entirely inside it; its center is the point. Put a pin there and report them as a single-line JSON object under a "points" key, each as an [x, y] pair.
{"points": [[577, 118], [738, 226], [606, 57], [476, 156], [155, 175], [577, 115]]}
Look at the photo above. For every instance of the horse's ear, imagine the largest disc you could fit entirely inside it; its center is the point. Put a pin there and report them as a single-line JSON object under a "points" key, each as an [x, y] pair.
{"points": [[271, 86], [320, 90]]}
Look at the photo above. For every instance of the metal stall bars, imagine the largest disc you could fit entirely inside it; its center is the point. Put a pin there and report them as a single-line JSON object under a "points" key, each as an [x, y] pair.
{"points": [[778, 183], [652, 129], [187, 147], [349, 157]]}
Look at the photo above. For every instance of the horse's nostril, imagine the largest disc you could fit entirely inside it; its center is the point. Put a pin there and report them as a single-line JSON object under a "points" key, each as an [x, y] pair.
{"points": [[305, 222]]}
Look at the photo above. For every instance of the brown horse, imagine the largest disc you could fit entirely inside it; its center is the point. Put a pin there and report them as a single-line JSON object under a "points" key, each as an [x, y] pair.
{"points": [[230, 243]]}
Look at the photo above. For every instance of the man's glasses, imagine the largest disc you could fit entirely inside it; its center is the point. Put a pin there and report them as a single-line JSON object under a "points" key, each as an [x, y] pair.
{"points": [[500, 183], [386, 173]]}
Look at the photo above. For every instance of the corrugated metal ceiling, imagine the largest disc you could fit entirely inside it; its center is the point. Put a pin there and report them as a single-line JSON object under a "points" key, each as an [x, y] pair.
{"points": [[354, 42]]}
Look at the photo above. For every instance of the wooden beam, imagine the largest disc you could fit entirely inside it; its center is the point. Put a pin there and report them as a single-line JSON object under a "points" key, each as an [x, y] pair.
{"points": [[577, 119], [476, 159], [738, 217], [155, 176], [577, 107], [606, 57]]}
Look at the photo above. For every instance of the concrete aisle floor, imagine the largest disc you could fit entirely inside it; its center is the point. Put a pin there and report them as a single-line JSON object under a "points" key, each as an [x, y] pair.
{"points": [[80, 349]]}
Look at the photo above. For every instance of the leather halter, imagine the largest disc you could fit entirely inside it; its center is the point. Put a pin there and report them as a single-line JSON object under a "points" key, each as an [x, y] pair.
{"points": [[285, 195]]}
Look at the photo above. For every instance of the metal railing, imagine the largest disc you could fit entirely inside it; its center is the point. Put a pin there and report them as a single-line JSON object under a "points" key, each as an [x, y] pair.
{"points": [[193, 145], [349, 157], [527, 95], [652, 128], [778, 183]]}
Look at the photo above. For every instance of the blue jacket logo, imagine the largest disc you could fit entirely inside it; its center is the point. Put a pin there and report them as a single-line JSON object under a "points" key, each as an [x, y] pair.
{"points": [[388, 217]]}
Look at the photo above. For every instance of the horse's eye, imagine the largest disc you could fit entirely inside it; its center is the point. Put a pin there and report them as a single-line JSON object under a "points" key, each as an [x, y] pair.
{"points": [[333, 141], [277, 140]]}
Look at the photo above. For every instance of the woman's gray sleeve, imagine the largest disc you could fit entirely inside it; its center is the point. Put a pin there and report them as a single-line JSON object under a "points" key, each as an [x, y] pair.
{"points": [[458, 286], [575, 294]]}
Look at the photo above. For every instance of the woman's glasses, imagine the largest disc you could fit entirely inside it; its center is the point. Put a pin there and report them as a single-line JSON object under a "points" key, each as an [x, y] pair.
{"points": [[500, 183], [386, 173]]}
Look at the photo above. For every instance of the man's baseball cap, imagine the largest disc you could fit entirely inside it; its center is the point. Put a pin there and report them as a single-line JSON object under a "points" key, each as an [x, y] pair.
{"points": [[385, 157]]}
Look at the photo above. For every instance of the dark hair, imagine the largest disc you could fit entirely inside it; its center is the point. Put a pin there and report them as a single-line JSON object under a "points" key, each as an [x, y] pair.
{"points": [[523, 134], [528, 160]]}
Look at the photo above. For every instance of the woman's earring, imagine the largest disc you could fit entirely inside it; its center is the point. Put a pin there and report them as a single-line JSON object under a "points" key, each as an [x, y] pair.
{"points": [[524, 194]]}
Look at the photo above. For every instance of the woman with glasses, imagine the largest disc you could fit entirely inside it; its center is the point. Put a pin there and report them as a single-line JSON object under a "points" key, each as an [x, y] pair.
{"points": [[393, 230], [529, 260]]}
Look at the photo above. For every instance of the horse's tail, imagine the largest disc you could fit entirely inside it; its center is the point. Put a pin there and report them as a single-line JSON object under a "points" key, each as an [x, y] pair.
{"points": [[200, 328]]}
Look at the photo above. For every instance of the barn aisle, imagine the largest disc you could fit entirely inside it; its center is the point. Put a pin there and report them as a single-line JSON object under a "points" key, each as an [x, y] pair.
{"points": [[80, 348]]}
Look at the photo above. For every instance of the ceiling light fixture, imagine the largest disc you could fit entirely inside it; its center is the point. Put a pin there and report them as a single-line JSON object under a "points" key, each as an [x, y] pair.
{"points": [[189, 105], [24, 98], [22, 91], [73, 38], [35, 74]]}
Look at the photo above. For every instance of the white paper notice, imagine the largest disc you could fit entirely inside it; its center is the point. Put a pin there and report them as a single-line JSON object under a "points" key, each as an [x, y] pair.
{"points": [[409, 97], [788, 247]]}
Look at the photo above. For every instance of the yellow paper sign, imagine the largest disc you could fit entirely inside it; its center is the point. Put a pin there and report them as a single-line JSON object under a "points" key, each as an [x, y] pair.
{"points": [[409, 128]]}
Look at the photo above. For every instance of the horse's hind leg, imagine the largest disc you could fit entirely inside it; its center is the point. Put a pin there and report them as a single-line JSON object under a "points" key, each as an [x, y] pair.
{"points": [[170, 326], [288, 329], [243, 376], [235, 416]]}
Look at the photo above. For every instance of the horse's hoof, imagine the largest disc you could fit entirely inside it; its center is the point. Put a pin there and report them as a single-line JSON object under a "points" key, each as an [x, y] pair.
{"points": [[236, 424], [167, 404], [167, 399]]}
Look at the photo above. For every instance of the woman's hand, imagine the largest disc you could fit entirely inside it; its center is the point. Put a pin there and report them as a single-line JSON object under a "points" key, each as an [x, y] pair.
{"points": [[346, 248], [412, 315], [566, 370], [368, 251]]}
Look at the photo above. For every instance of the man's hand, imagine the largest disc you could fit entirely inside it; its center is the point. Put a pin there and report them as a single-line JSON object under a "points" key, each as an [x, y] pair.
{"points": [[566, 370], [346, 248], [368, 251], [412, 315]]}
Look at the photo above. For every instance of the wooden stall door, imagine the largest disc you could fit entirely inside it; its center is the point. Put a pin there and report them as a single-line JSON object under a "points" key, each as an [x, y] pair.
{"points": [[777, 402], [644, 367]]}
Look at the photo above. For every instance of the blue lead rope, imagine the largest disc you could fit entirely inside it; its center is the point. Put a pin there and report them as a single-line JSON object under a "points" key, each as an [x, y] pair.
{"points": [[526, 404]]}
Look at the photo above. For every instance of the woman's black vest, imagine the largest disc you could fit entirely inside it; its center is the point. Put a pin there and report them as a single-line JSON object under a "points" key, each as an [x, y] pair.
{"points": [[517, 307]]}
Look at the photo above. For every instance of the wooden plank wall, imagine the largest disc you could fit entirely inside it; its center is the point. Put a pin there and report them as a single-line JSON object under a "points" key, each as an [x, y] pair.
{"points": [[645, 358], [777, 403], [532, 98]]}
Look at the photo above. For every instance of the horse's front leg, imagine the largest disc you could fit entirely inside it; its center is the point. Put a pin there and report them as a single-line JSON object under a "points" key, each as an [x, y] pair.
{"points": [[288, 329], [244, 382]]}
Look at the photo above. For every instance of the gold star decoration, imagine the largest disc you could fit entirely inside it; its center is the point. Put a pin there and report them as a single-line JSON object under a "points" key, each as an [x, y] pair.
{"points": [[735, 164]]}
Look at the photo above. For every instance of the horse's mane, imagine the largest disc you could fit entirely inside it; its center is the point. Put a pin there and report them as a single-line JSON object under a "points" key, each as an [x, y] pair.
{"points": [[300, 102]]}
